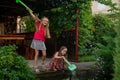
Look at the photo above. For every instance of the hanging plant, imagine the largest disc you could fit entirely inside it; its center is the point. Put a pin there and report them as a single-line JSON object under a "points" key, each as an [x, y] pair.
{"points": [[30, 25]]}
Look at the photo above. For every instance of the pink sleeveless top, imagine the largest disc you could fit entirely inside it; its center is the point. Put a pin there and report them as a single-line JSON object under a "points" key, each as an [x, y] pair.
{"points": [[39, 34]]}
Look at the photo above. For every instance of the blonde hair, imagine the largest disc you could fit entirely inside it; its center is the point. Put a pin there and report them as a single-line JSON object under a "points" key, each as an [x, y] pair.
{"points": [[46, 27], [45, 18]]}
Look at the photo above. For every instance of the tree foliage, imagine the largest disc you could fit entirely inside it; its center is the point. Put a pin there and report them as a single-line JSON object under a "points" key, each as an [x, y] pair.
{"points": [[104, 36], [116, 65], [64, 18]]}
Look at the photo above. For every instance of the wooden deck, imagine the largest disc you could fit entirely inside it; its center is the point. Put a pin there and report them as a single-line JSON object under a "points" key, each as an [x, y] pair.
{"points": [[12, 37], [83, 69]]}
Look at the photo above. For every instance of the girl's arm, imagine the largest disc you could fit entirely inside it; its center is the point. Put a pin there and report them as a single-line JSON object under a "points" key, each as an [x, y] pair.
{"points": [[33, 16], [56, 55]]}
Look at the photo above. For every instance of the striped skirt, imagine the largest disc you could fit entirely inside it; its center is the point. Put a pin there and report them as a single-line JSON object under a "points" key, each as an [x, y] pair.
{"points": [[38, 45]]}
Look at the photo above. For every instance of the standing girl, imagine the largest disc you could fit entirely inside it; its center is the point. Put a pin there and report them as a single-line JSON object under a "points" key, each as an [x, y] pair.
{"points": [[57, 62], [42, 32]]}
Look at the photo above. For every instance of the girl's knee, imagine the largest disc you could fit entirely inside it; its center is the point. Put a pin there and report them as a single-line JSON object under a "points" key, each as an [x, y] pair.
{"points": [[44, 55], [36, 54]]}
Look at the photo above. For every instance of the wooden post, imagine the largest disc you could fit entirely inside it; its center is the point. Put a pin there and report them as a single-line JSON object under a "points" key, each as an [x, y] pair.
{"points": [[76, 35], [32, 52], [27, 52]]}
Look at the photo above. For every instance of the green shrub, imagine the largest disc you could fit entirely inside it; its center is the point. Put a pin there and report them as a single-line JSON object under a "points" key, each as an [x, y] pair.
{"points": [[13, 66], [104, 36], [116, 65], [105, 60]]}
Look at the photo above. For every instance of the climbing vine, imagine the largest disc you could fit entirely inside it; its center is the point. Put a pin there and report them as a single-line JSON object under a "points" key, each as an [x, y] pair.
{"points": [[64, 17]]}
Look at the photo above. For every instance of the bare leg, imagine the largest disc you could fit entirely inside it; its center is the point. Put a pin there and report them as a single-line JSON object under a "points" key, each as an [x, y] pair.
{"points": [[43, 56], [36, 58]]}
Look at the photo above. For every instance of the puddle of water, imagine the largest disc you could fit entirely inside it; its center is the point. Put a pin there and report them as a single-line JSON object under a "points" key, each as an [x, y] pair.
{"points": [[75, 75], [68, 76]]}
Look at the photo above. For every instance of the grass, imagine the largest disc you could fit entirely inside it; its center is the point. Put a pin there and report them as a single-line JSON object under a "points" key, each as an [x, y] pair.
{"points": [[86, 58]]}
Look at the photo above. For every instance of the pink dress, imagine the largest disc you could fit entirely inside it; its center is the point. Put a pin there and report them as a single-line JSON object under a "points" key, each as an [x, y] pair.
{"points": [[55, 64]]}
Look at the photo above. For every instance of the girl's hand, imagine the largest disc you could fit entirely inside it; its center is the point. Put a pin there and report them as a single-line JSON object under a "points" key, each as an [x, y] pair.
{"points": [[63, 57]]}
